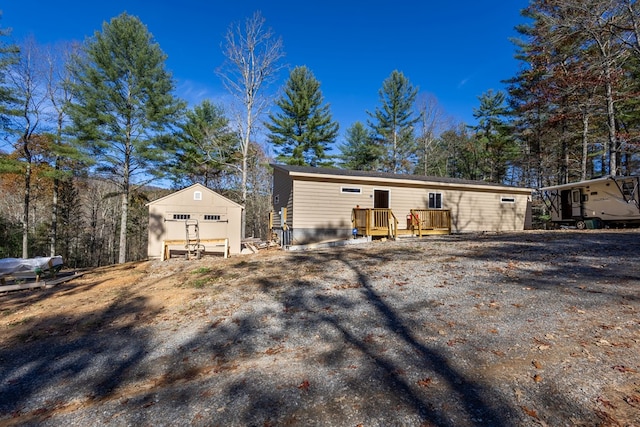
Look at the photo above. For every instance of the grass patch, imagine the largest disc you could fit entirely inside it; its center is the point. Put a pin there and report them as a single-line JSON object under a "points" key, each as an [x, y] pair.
{"points": [[202, 270], [199, 283]]}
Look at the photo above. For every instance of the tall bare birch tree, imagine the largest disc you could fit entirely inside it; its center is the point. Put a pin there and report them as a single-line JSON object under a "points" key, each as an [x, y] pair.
{"points": [[27, 79], [253, 55]]}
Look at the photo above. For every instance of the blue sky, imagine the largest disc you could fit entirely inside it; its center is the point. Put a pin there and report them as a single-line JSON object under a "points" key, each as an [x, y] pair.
{"points": [[452, 50]]}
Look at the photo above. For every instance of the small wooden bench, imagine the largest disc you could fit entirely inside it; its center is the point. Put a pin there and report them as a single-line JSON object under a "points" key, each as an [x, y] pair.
{"points": [[213, 244]]}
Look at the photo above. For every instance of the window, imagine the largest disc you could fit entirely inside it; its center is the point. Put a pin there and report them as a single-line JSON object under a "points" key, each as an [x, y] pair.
{"points": [[351, 190], [628, 188], [507, 199], [197, 195], [209, 217], [181, 216], [435, 200], [576, 196]]}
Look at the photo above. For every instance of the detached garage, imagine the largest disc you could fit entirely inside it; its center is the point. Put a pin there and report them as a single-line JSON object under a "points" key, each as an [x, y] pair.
{"points": [[195, 219]]}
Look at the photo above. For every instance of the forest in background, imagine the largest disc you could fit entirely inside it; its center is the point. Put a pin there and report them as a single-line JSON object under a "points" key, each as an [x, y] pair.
{"points": [[91, 132]]}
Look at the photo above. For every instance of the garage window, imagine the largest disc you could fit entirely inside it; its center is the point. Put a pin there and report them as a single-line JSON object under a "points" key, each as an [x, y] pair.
{"points": [[211, 217], [181, 216]]}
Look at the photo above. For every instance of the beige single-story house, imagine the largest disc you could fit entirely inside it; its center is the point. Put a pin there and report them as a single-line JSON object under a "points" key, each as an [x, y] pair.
{"points": [[195, 212], [318, 203]]}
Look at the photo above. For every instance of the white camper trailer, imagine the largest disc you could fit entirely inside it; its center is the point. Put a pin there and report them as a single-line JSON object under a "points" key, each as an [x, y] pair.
{"points": [[596, 203]]}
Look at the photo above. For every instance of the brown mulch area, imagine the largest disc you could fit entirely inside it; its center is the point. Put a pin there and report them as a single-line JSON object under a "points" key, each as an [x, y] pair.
{"points": [[531, 328]]}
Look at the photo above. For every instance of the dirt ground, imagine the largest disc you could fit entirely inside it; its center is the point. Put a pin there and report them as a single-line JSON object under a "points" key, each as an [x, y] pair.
{"points": [[532, 328]]}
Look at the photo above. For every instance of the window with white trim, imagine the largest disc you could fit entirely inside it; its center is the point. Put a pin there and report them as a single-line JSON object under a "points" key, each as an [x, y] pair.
{"points": [[197, 195], [351, 190], [181, 216], [212, 217], [435, 200], [504, 199]]}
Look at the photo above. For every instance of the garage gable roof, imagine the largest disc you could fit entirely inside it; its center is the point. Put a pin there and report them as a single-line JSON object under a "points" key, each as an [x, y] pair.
{"points": [[197, 187]]}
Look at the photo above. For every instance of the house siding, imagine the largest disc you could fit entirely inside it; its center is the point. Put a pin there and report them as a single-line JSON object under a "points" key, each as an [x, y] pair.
{"points": [[321, 211]]}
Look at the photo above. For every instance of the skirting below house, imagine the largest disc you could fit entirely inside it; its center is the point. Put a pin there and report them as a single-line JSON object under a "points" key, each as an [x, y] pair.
{"points": [[305, 236]]}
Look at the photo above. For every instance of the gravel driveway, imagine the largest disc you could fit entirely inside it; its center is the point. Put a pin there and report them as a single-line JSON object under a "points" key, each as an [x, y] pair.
{"points": [[516, 329]]}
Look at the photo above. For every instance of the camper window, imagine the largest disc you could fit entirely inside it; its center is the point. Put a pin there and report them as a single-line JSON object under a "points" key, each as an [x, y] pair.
{"points": [[627, 188], [507, 199]]}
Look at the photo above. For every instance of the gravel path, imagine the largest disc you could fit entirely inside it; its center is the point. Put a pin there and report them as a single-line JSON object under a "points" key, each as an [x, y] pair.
{"points": [[518, 329]]}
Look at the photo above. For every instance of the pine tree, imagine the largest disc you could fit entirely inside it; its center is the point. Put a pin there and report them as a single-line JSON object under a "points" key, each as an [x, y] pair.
{"points": [[492, 131], [393, 123], [207, 150], [360, 152], [123, 106], [8, 57], [303, 130]]}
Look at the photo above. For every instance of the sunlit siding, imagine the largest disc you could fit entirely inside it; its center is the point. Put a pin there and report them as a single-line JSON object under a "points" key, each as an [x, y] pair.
{"points": [[322, 204]]}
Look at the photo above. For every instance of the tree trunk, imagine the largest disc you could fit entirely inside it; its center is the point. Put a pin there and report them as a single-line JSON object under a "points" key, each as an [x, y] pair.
{"points": [[585, 147], [613, 139], [25, 213], [54, 211], [122, 254]]}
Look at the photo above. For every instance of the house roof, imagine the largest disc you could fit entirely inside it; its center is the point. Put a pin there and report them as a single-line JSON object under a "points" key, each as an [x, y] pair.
{"points": [[194, 187], [312, 172]]}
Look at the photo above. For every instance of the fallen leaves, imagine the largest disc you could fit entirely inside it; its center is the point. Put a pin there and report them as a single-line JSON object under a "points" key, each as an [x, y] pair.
{"points": [[633, 400], [425, 382], [624, 369], [274, 350], [606, 403], [304, 385], [531, 412]]}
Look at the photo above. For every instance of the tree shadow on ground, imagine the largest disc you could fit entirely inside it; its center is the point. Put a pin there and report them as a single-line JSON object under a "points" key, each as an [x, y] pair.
{"points": [[323, 347], [83, 358]]}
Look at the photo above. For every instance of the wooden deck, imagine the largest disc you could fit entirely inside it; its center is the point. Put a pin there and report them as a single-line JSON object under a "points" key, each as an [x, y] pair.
{"points": [[383, 222]]}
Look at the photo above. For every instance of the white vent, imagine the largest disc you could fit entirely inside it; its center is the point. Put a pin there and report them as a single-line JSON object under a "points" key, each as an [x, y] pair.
{"points": [[197, 195]]}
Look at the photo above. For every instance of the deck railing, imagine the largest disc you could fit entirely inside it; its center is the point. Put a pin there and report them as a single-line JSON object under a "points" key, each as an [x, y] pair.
{"points": [[375, 222], [428, 221]]}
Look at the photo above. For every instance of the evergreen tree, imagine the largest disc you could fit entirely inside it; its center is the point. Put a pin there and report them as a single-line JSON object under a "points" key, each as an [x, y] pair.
{"points": [[123, 106], [493, 133], [8, 57], [206, 148], [303, 129], [464, 153], [360, 152], [393, 123]]}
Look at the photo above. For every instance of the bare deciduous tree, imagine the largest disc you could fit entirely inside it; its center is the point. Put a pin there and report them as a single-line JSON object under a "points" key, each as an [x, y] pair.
{"points": [[253, 55], [433, 121], [57, 78], [26, 79]]}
